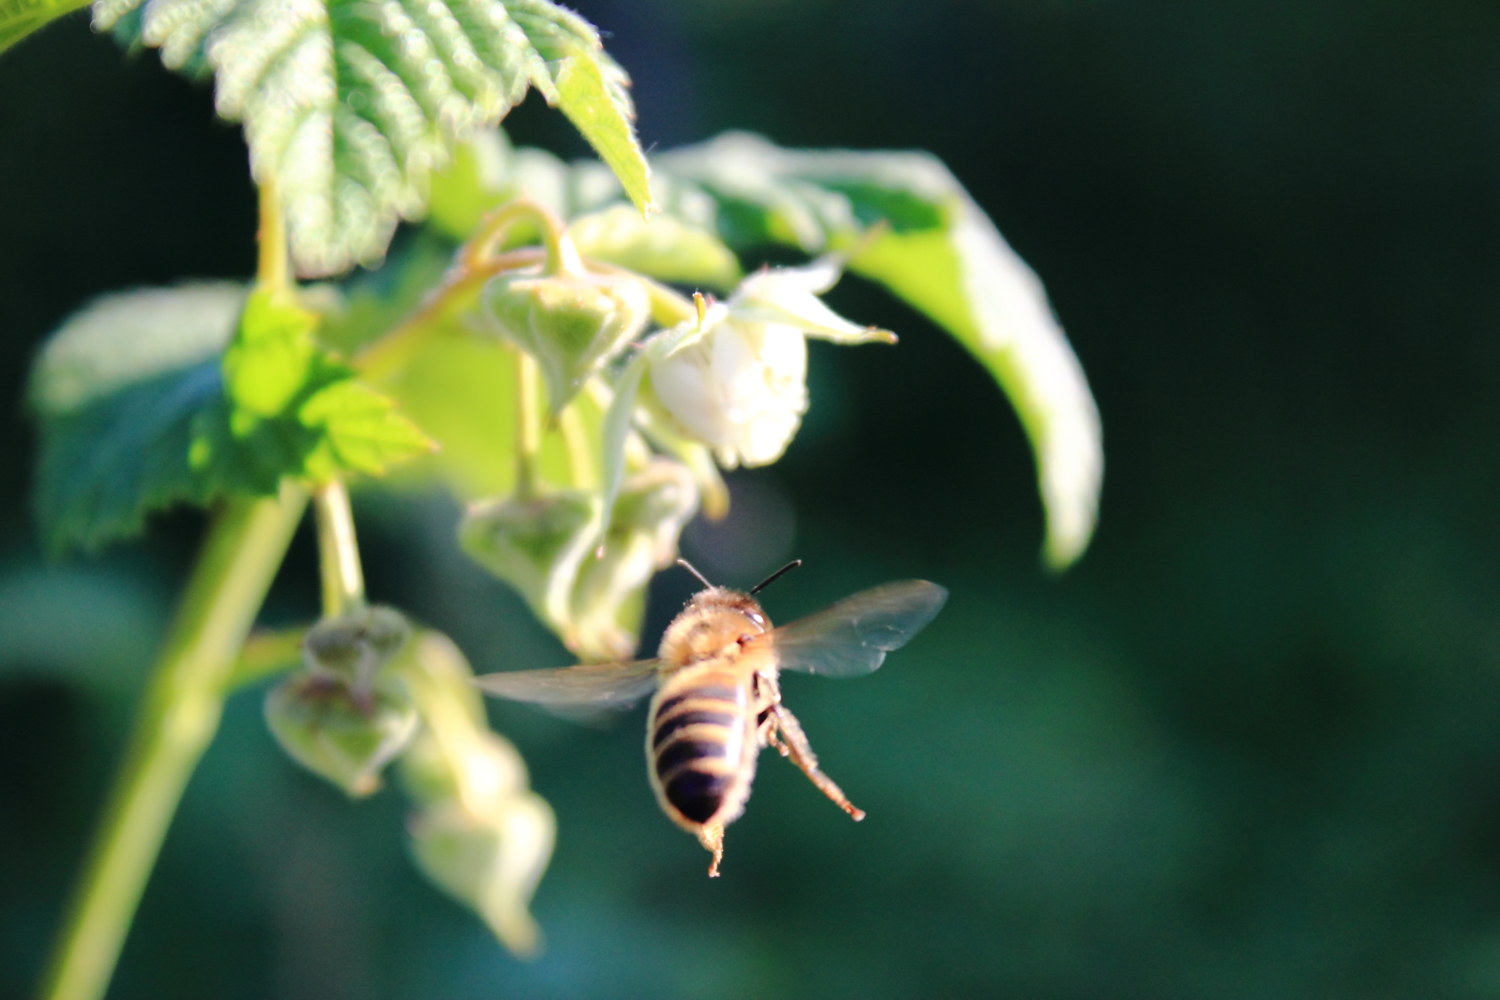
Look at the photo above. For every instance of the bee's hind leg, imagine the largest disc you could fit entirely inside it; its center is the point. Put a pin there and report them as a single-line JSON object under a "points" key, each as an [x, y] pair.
{"points": [[788, 738], [711, 836]]}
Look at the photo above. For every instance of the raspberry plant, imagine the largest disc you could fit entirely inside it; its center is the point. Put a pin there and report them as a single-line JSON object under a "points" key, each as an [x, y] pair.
{"points": [[574, 350]]}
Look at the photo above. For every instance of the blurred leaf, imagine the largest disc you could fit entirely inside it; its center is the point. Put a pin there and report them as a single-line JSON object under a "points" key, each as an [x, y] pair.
{"points": [[138, 410], [19, 18], [486, 172], [116, 392], [940, 252], [349, 107], [375, 302]]}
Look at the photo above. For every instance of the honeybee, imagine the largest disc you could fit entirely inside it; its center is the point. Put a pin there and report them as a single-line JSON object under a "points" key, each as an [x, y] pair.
{"points": [[717, 702]]}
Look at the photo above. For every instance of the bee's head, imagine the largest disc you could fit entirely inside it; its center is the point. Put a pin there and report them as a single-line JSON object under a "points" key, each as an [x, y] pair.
{"points": [[714, 620]]}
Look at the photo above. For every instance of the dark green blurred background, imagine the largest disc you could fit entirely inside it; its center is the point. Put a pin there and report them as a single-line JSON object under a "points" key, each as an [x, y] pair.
{"points": [[1250, 747]]}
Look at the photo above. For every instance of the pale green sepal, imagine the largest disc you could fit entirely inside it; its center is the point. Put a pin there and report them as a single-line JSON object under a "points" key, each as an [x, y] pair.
{"points": [[340, 734], [650, 512], [535, 544]]}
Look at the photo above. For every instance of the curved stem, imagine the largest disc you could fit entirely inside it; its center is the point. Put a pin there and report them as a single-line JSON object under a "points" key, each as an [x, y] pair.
{"points": [[338, 552], [174, 725], [562, 258], [387, 355]]}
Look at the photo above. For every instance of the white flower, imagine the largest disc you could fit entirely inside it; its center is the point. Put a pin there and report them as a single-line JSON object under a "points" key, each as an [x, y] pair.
{"points": [[738, 383]]}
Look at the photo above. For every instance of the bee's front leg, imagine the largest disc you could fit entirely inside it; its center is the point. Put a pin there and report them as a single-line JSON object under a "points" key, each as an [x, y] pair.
{"points": [[786, 735]]}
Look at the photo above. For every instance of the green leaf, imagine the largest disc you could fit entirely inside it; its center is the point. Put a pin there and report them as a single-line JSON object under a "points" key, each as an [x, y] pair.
{"points": [[936, 249], [294, 410], [151, 398], [487, 172], [349, 107], [116, 393], [19, 18], [592, 94]]}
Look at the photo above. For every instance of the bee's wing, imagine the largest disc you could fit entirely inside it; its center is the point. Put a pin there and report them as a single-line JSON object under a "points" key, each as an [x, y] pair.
{"points": [[567, 690], [852, 637]]}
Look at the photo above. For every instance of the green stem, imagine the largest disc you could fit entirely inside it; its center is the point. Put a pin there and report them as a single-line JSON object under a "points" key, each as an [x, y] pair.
{"points": [[562, 258], [174, 725], [272, 269], [528, 424], [338, 552]]}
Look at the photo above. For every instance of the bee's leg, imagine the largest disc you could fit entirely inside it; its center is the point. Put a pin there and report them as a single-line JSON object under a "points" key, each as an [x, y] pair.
{"points": [[792, 742], [711, 836], [766, 696]]}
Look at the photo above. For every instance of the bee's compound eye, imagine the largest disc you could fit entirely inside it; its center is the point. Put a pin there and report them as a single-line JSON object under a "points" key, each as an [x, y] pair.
{"points": [[756, 618]]}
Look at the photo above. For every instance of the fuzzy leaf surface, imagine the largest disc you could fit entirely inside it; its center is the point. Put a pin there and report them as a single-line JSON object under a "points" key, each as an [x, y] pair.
{"points": [[349, 106]]}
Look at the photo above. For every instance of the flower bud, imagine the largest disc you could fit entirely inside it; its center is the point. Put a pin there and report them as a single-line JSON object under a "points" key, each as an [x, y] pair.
{"points": [[490, 863], [741, 389], [354, 647], [335, 732], [480, 834], [650, 512], [741, 386], [572, 324], [535, 544]]}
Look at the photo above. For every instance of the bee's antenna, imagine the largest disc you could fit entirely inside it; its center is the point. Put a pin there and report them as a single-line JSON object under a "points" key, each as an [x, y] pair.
{"points": [[694, 570], [775, 576]]}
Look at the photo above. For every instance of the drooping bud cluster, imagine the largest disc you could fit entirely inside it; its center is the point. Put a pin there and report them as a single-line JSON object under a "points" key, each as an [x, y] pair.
{"points": [[479, 833], [345, 716]]}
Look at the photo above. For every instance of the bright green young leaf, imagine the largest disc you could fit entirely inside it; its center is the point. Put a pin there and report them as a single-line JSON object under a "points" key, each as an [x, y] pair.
{"points": [[293, 403], [350, 107], [150, 399], [19, 18]]}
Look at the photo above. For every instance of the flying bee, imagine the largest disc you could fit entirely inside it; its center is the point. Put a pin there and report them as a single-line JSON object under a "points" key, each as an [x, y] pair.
{"points": [[717, 702]]}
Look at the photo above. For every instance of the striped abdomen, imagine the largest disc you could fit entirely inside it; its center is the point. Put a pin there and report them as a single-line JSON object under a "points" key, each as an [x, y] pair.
{"points": [[701, 746]]}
